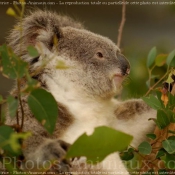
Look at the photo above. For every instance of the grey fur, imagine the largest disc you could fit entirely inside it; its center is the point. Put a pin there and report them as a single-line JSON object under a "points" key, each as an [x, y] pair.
{"points": [[95, 61]]}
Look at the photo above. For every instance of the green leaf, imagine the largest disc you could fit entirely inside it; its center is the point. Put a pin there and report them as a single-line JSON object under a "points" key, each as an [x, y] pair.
{"points": [[169, 146], [151, 57], [44, 107], [152, 101], [170, 57], [160, 153], [127, 155], [14, 140], [159, 95], [160, 60], [171, 99], [151, 136], [12, 105], [171, 115], [170, 80], [145, 148], [169, 161], [172, 132], [61, 65], [9, 165], [172, 64], [135, 164], [33, 52], [32, 84], [148, 83], [11, 12], [5, 134], [12, 66], [162, 119], [101, 143]]}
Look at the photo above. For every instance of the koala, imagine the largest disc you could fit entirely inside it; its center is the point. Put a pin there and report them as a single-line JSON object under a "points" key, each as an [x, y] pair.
{"points": [[84, 92]]}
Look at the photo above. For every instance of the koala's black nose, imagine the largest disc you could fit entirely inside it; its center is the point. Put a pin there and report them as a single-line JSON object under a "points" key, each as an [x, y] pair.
{"points": [[124, 64]]}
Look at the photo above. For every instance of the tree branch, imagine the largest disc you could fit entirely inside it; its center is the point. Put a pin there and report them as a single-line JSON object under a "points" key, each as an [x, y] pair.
{"points": [[0, 113], [21, 105], [120, 30]]}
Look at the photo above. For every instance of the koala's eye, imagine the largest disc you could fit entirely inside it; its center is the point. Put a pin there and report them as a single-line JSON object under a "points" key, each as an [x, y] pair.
{"points": [[99, 54]]}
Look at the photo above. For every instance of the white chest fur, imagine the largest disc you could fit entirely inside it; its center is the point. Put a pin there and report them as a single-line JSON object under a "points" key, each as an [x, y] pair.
{"points": [[87, 118], [88, 113]]}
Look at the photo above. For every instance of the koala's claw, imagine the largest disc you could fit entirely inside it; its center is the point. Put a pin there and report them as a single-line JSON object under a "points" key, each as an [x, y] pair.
{"points": [[52, 156], [57, 151], [65, 167], [62, 168]]}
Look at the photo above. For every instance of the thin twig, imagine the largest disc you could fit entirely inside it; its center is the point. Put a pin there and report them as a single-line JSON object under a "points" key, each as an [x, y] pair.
{"points": [[151, 88], [0, 113], [120, 30], [20, 102], [17, 117]]}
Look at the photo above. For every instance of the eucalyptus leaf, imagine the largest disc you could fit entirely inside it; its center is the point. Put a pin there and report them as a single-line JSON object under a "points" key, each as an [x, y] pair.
{"points": [[14, 140], [170, 79], [126, 155], [11, 12], [170, 57], [160, 60], [12, 66], [169, 161], [162, 119], [33, 52], [171, 115], [151, 136], [151, 57], [159, 96], [172, 64], [61, 65], [171, 138], [5, 134], [171, 99], [100, 144], [160, 153], [12, 105], [153, 102], [169, 146], [172, 132], [145, 148], [44, 107], [32, 84]]}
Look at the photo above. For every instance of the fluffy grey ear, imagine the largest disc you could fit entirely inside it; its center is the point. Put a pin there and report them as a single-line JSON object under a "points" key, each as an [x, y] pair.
{"points": [[38, 27], [42, 26]]}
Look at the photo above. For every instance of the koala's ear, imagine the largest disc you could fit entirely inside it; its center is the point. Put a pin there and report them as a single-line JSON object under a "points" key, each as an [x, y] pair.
{"points": [[44, 27], [38, 27]]}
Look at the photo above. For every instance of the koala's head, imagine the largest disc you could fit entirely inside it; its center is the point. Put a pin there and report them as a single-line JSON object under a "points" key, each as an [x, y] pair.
{"points": [[96, 66]]}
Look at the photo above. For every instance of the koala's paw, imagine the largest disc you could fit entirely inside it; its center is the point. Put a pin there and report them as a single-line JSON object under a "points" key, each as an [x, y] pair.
{"points": [[50, 157], [130, 108]]}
